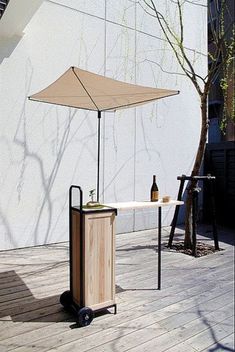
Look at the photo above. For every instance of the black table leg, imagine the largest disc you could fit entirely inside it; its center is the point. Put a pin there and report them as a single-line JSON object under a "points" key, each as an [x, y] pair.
{"points": [[159, 245], [214, 226], [194, 221]]}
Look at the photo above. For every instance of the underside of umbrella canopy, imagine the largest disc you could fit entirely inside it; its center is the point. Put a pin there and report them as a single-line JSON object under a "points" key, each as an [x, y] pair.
{"points": [[86, 90]]}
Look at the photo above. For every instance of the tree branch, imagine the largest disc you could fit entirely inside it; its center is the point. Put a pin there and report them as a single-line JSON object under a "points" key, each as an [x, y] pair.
{"points": [[150, 14], [168, 72], [189, 73], [181, 23]]}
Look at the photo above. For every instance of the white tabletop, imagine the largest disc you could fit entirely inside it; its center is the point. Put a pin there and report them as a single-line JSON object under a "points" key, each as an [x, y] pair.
{"points": [[143, 205]]}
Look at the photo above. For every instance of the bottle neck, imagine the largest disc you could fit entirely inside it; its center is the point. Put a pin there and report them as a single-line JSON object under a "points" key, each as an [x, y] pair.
{"points": [[154, 178]]}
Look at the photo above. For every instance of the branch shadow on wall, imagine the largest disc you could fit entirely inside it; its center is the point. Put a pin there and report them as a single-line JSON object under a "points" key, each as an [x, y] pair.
{"points": [[47, 182], [47, 179]]}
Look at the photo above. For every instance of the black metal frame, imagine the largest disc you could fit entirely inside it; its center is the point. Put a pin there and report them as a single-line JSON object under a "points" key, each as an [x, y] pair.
{"points": [[82, 212], [159, 245], [195, 192], [98, 159], [71, 242]]}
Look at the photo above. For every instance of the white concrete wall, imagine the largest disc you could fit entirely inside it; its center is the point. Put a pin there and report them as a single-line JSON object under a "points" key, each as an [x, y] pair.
{"points": [[46, 148]]}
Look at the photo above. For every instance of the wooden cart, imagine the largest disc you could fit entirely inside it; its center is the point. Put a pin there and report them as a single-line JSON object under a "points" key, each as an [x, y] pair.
{"points": [[92, 260]]}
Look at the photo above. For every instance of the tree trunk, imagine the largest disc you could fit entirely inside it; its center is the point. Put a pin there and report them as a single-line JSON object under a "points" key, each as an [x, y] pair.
{"points": [[195, 172]]}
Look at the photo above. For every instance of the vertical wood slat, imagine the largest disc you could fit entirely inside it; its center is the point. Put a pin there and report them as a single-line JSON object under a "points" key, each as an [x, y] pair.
{"points": [[99, 259]]}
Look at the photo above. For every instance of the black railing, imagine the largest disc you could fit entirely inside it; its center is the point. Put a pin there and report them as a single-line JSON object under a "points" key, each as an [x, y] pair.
{"points": [[3, 5], [220, 161]]}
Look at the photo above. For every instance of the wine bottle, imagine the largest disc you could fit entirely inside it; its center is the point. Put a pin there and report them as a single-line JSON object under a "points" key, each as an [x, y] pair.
{"points": [[154, 190]]}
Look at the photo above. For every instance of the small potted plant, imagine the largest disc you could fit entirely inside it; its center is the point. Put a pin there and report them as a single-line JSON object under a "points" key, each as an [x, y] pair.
{"points": [[92, 203]]}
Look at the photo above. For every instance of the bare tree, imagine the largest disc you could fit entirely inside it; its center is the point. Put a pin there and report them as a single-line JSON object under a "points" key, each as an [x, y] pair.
{"points": [[221, 61]]}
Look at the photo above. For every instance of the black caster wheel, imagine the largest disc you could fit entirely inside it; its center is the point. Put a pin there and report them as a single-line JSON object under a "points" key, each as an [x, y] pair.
{"points": [[85, 316], [66, 299]]}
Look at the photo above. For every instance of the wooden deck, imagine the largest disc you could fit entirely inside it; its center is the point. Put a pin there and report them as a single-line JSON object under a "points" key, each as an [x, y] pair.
{"points": [[193, 311]]}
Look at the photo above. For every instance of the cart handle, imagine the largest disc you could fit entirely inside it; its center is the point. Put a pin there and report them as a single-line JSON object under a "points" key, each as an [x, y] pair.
{"points": [[71, 195], [70, 235]]}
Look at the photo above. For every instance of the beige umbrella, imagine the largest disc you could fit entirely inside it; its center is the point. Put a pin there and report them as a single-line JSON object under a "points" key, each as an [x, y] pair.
{"points": [[86, 90]]}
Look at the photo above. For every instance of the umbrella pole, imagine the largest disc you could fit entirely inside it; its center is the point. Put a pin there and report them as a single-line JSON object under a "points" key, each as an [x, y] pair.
{"points": [[98, 158]]}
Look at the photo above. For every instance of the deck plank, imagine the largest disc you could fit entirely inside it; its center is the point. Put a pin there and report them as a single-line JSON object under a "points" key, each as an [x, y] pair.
{"points": [[192, 312], [225, 344]]}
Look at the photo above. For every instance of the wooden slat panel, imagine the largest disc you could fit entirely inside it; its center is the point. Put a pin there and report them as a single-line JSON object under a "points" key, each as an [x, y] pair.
{"points": [[99, 258]]}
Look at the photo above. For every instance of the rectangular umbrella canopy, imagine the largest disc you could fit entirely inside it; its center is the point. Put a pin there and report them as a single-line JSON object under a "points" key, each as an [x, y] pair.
{"points": [[82, 89]]}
